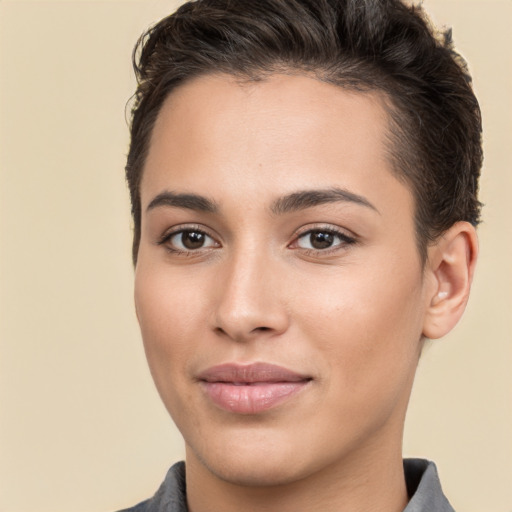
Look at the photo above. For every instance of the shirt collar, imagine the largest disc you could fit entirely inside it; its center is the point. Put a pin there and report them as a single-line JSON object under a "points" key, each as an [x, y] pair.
{"points": [[424, 487]]}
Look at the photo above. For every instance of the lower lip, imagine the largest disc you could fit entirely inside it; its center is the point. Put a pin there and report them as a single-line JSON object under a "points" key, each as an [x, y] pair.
{"points": [[251, 398]]}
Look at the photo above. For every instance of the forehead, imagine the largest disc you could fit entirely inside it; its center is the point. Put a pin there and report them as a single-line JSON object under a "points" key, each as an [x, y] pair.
{"points": [[285, 132], [213, 108]]}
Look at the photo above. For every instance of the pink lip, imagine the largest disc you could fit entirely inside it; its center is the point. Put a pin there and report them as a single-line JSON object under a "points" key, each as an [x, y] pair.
{"points": [[252, 388]]}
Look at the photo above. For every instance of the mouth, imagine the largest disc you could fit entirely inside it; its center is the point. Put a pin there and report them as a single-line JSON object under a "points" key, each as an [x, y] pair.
{"points": [[251, 388]]}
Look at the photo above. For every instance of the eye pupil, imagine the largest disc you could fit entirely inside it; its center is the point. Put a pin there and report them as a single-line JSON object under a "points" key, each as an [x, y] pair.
{"points": [[321, 239], [192, 239]]}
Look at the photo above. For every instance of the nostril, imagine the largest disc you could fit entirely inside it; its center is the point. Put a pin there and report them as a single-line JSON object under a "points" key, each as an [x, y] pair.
{"points": [[238, 335], [220, 330], [262, 329]]}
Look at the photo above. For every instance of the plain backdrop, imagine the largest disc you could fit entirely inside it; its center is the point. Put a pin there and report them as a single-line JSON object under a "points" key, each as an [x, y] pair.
{"points": [[81, 426]]}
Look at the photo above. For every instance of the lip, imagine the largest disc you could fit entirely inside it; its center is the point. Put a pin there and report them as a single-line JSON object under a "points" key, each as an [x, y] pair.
{"points": [[251, 388]]}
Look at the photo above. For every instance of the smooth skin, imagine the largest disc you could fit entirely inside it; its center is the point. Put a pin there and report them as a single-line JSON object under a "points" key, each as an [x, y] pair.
{"points": [[257, 268]]}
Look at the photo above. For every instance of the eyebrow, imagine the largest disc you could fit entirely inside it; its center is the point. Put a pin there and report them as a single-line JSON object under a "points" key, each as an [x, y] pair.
{"points": [[188, 201], [295, 201], [308, 198]]}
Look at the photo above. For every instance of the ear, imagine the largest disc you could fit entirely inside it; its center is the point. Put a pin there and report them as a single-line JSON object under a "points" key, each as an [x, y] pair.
{"points": [[450, 265]]}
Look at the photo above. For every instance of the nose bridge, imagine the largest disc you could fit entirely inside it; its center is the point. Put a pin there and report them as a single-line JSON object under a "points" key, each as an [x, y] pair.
{"points": [[249, 300]]}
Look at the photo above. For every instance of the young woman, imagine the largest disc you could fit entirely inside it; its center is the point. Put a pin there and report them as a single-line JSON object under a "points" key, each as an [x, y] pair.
{"points": [[303, 177]]}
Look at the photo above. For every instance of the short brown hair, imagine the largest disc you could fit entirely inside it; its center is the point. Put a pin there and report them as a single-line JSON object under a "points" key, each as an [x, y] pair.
{"points": [[435, 122]]}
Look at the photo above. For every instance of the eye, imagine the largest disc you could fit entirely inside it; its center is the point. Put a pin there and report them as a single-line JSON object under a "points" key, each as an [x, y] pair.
{"points": [[186, 240], [322, 239]]}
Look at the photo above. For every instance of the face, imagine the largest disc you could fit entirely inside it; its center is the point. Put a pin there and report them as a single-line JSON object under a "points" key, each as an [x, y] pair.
{"points": [[278, 287]]}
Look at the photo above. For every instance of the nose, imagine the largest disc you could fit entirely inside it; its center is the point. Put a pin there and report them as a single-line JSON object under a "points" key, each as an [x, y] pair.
{"points": [[251, 298]]}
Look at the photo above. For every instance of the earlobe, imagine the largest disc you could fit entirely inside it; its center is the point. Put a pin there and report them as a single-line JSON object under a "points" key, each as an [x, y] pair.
{"points": [[451, 263]]}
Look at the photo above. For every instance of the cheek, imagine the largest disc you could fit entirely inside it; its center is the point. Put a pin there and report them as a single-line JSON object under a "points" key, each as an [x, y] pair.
{"points": [[367, 323], [169, 310]]}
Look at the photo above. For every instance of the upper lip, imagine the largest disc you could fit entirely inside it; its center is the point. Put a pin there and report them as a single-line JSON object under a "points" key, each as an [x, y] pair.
{"points": [[250, 373]]}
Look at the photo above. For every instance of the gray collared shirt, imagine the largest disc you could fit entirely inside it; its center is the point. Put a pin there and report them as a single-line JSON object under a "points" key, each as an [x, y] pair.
{"points": [[421, 477], [424, 487]]}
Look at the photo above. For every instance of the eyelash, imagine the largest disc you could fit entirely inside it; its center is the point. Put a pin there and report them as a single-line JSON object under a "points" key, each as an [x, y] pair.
{"points": [[344, 240]]}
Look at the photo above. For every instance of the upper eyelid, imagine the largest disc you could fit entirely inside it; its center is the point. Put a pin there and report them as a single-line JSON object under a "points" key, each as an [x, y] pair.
{"points": [[187, 227], [325, 227]]}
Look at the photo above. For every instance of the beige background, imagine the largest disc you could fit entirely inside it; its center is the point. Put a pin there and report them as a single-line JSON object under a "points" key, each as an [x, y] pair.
{"points": [[81, 427]]}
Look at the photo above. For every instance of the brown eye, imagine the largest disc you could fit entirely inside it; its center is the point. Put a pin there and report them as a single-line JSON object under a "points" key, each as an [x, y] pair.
{"points": [[192, 239], [189, 240], [321, 239]]}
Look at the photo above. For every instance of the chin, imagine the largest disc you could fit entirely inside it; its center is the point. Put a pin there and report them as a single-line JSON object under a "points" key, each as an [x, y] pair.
{"points": [[254, 459], [253, 476], [265, 471]]}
